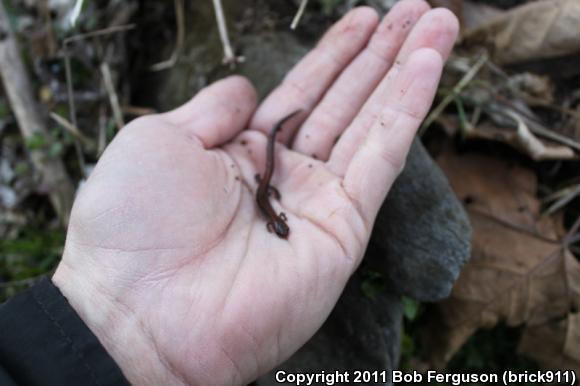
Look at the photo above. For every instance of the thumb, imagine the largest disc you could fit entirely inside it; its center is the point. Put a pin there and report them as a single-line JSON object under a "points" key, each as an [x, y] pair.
{"points": [[218, 112]]}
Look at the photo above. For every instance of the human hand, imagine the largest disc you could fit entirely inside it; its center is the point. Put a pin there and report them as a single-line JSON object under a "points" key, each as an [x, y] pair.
{"points": [[168, 259]]}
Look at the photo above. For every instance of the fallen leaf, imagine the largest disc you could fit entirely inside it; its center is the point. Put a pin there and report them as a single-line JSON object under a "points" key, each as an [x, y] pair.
{"points": [[537, 30], [558, 337], [519, 272]]}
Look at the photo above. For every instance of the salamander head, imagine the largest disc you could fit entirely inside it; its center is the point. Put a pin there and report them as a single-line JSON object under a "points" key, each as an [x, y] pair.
{"points": [[281, 228]]}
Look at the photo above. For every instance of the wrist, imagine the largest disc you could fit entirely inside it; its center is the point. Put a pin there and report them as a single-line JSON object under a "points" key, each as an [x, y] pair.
{"points": [[117, 327]]}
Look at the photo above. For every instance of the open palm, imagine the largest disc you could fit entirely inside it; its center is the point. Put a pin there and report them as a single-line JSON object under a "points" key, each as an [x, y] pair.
{"points": [[168, 258]]}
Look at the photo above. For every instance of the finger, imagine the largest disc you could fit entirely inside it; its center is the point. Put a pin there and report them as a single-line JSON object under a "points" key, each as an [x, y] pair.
{"points": [[218, 112], [382, 154], [437, 29], [307, 82], [350, 91]]}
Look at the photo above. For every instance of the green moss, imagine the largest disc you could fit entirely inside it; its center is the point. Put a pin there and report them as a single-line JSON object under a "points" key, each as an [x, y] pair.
{"points": [[373, 284], [31, 253]]}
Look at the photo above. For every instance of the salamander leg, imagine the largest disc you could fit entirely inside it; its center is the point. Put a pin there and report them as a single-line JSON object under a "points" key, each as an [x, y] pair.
{"points": [[272, 191], [283, 216], [258, 178], [270, 227]]}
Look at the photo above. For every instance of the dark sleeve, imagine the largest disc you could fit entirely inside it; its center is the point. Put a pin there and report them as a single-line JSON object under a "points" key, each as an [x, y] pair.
{"points": [[44, 342]]}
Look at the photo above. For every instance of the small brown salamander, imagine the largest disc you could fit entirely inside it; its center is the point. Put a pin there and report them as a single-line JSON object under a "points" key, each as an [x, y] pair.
{"points": [[276, 223]]}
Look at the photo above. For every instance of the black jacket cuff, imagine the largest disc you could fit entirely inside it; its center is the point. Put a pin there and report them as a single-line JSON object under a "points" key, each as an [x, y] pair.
{"points": [[44, 342]]}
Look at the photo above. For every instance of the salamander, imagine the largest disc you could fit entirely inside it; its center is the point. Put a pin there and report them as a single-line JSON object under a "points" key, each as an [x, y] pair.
{"points": [[277, 222]]}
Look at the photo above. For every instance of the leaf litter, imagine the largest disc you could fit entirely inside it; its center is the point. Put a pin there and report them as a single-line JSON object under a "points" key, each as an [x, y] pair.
{"points": [[521, 271]]}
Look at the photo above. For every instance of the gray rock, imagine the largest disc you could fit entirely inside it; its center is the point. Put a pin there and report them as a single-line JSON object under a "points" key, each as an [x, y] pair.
{"points": [[382, 6], [423, 231], [267, 54], [268, 57]]}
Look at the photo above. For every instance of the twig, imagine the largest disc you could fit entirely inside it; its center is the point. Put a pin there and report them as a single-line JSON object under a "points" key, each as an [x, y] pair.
{"points": [[534, 147], [572, 237], [557, 195], [561, 198], [19, 90], [72, 110], [533, 101], [101, 32], [532, 123], [524, 138], [527, 98], [540, 130], [299, 14], [456, 90], [575, 227], [44, 11], [180, 21], [229, 57], [113, 98], [535, 124], [69, 82], [102, 135], [75, 13], [68, 126]]}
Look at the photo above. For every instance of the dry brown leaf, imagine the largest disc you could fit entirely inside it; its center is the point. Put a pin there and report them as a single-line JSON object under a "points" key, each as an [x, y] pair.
{"points": [[519, 272], [559, 338], [537, 30]]}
